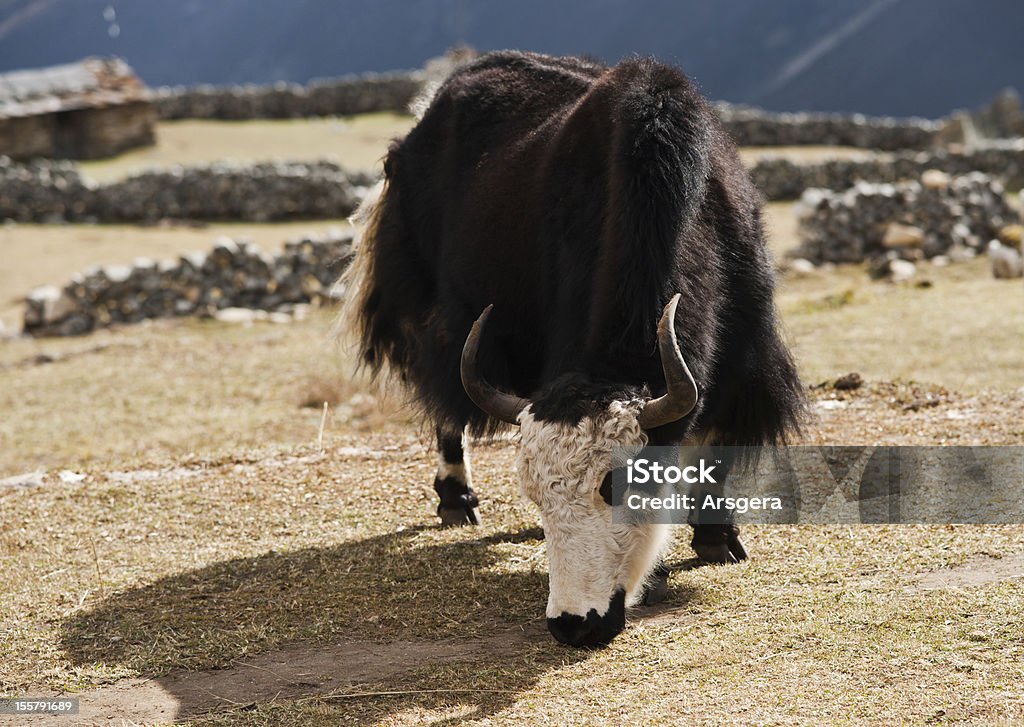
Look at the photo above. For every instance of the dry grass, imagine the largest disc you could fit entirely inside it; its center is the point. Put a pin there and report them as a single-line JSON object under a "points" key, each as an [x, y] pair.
{"points": [[965, 331], [781, 227], [210, 529], [803, 154], [172, 389], [175, 387], [234, 556], [357, 142]]}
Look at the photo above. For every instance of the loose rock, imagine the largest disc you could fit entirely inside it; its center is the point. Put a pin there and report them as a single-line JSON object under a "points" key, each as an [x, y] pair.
{"points": [[897, 235], [848, 382], [1007, 262]]}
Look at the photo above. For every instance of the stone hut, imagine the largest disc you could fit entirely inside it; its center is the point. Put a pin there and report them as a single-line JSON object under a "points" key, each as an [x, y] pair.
{"points": [[95, 108]]}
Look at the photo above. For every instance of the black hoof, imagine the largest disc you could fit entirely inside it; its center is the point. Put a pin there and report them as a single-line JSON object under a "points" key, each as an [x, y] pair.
{"points": [[458, 503], [656, 589], [714, 553], [451, 518], [736, 548], [718, 544]]}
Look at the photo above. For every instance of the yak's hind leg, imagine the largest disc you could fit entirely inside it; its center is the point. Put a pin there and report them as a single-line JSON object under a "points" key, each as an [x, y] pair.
{"points": [[458, 505]]}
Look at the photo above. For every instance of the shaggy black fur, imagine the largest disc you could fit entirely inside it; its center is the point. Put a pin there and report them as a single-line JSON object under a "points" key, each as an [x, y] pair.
{"points": [[577, 199]]}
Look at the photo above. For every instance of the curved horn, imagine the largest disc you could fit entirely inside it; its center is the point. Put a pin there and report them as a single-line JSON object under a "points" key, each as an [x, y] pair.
{"points": [[497, 404], [681, 396]]}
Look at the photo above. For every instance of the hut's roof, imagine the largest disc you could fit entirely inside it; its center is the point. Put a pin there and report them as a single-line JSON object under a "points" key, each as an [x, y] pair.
{"points": [[93, 82]]}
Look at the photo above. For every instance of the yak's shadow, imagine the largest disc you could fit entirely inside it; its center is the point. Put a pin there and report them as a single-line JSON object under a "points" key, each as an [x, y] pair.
{"points": [[361, 616]]}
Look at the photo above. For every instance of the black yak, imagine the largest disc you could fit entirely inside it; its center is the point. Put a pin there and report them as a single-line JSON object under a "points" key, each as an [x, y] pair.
{"points": [[580, 205]]}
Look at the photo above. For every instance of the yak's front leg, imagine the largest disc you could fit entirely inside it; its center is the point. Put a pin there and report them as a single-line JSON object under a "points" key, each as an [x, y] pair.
{"points": [[718, 543], [458, 505]]}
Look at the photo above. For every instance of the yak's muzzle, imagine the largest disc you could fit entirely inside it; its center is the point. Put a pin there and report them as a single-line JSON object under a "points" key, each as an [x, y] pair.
{"points": [[594, 630]]}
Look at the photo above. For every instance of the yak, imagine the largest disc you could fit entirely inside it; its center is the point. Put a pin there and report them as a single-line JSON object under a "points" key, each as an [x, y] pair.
{"points": [[577, 250]]}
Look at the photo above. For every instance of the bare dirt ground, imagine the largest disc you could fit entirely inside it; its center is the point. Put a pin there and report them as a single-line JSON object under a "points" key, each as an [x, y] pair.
{"points": [[183, 543]]}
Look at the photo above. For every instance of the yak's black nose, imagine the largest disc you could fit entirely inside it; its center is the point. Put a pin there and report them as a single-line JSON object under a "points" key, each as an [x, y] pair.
{"points": [[594, 630]]}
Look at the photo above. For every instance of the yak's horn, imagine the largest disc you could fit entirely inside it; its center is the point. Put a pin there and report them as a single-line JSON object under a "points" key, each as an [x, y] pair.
{"points": [[681, 396], [497, 404]]}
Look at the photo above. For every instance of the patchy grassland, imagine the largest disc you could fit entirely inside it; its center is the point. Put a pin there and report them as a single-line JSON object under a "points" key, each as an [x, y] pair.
{"points": [[357, 142], [228, 559], [963, 330], [217, 565], [211, 533], [171, 389], [175, 387], [804, 154]]}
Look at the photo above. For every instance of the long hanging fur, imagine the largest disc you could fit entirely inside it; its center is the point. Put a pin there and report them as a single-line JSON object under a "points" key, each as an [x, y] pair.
{"points": [[577, 199], [356, 281]]}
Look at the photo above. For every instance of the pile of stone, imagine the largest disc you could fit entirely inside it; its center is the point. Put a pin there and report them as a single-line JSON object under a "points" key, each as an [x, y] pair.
{"points": [[234, 274], [782, 179], [756, 127], [39, 191], [54, 191], [938, 215], [331, 97], [1002, 119]]}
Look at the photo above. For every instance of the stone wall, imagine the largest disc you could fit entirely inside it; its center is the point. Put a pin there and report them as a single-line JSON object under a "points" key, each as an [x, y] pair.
{"points": [[782, 179], [394, 92], [53, 191], [1001, 119], [935, 215], [335, 97], [40, 191], [748, 126], [234, 274], [755, 127]]}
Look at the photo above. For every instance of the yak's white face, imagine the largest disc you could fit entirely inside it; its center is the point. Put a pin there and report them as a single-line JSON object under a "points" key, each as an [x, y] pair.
{"points": [[596, 567]]}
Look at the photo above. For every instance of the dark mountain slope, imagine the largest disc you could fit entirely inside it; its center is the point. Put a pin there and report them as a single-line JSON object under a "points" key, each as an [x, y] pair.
{"points": [[877, 56]]}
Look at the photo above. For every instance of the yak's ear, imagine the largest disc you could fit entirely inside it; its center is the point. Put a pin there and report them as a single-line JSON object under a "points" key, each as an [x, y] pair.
{"points": [[606, 488]]}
